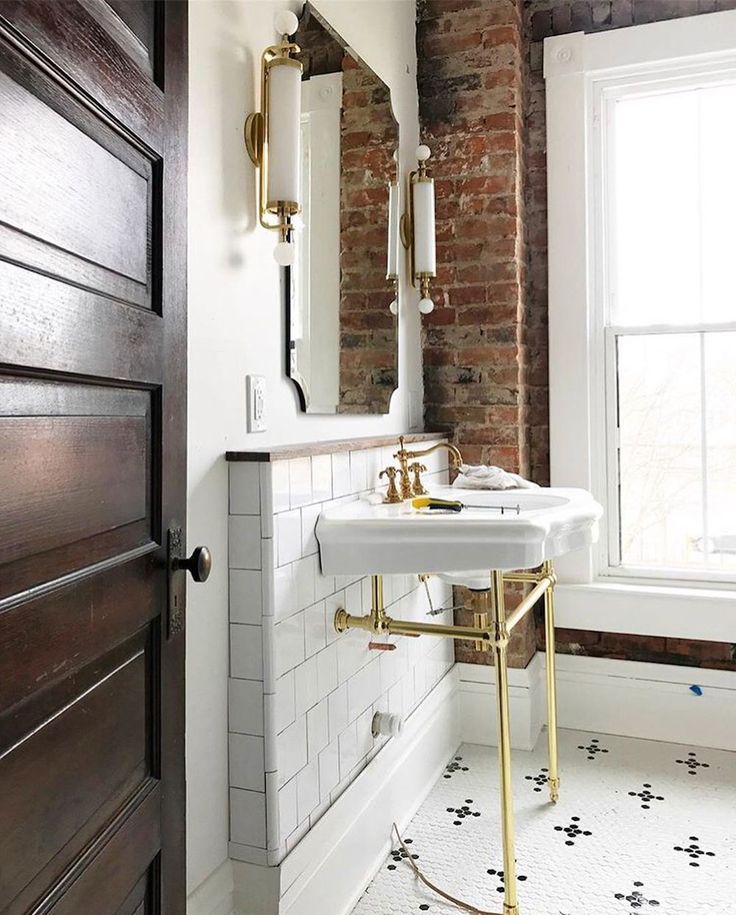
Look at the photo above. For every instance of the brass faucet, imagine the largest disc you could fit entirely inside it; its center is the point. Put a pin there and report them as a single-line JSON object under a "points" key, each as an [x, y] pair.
{"points": [[392, 493], [409, 489]]}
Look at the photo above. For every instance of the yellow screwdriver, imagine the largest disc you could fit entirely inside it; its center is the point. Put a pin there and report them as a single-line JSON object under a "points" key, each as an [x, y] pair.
{"points": [[449, 505]]}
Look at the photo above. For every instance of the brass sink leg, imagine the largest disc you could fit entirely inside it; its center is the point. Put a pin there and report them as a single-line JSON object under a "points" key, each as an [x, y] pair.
{"points": [[500, 645], [549, 632]]}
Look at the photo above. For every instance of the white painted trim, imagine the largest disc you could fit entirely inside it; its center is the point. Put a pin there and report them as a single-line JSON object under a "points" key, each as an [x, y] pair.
{"points": [[477, 703], [215, 895], [334, 862], [678, 613]]}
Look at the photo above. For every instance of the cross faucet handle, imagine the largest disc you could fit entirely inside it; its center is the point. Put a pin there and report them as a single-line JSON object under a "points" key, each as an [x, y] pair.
{"points": [[392, 494], [417, 486]]}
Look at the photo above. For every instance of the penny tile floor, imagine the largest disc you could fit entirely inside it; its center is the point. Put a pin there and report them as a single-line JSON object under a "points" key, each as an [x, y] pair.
{"points": [[640, 826]]}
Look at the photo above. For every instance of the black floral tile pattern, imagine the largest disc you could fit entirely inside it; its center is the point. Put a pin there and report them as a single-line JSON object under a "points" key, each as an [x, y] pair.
{"points": [[636, 899], [593, 748], [646, 796], [692, 763], [461, 813], [573, 831], [540, 780], [455, 766], [492, 872], [694, 851]]}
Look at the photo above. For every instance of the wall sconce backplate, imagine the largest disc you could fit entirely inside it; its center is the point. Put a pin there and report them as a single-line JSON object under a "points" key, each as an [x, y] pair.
{"points": [[253, 133]]}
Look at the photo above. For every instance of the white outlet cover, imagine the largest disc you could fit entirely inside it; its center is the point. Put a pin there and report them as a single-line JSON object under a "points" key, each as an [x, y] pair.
{"points": [[256, 399]]}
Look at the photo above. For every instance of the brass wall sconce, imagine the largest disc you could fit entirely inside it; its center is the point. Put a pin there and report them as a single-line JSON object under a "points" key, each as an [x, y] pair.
{"points": [[272, 137], [418, 230]]}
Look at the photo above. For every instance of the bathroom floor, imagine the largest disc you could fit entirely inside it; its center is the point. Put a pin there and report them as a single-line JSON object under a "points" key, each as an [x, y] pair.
{"points": [[639, 826]]}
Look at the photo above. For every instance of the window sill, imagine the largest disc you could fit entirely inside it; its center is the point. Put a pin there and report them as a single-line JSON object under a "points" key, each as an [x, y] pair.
{"points": [[660, 610]]}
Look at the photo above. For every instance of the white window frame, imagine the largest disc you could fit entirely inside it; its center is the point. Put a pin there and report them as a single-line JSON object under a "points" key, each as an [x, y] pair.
{"points": [[582, 73]]}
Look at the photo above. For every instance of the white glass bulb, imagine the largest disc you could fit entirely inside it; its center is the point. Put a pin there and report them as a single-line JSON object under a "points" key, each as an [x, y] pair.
{"points": [[423, 153], [284, 132], [426, 306], [283, 254], [425, 257], [394, 307], [285, 22]]}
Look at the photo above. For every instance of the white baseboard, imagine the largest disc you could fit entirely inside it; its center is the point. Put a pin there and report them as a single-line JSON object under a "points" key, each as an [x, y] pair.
{"points": [[653, 701], [215, 895], [477, 701], [334, 862]]}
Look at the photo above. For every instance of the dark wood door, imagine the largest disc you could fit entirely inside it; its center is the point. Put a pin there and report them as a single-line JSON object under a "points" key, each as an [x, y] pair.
{"points": [[92, 455]]}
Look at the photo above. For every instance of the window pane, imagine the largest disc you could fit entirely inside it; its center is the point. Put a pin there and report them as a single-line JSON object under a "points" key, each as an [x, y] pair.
{"points": [[677, 457], [673, 208], [660, 457], [720, 386]]}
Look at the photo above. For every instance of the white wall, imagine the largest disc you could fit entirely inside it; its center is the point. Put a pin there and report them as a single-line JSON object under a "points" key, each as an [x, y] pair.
{"points": [[236, 327]]}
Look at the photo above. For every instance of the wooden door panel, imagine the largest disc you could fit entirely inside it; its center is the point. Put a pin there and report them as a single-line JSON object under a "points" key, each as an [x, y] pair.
{"points": [[76, 40], [52, 191], [63, 779]]}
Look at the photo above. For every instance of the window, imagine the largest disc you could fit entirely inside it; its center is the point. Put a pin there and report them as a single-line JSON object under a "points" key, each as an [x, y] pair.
{"points": [[641, 163], [668, 191]]}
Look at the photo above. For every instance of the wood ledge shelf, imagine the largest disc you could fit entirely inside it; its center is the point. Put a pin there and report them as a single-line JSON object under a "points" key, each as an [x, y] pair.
{"points": [[308, 449]]}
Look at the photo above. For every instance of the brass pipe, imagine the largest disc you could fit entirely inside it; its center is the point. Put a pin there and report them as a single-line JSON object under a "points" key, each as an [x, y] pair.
{"points": [[523, 576], [390, 626], [519, 612], [457, 458]]}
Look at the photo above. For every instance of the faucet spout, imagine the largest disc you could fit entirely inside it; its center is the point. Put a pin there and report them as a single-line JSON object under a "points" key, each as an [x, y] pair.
{"points": [[407, 488]]}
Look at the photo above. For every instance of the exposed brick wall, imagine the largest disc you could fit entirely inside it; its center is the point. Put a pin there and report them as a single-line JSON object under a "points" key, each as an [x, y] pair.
{"points": [[482, 111], [368, 331]]}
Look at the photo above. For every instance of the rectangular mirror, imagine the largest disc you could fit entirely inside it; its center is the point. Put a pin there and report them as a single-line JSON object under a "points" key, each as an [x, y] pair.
{"points": [[341, 292]]}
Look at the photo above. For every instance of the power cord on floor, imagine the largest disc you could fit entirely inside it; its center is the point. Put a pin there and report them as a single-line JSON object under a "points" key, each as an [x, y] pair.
{"points": [[435, 889]]}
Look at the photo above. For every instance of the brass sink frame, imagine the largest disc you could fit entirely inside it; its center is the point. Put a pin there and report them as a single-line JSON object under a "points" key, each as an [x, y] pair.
{"points": [[491, 632]]}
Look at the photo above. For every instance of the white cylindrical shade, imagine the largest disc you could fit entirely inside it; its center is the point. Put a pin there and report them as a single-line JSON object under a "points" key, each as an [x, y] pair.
{"points": [[284, 128], [392, 257], [425, 259]]}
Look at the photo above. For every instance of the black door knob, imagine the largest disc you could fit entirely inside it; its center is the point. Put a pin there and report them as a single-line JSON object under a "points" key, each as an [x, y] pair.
{"points": [[199, 564]]}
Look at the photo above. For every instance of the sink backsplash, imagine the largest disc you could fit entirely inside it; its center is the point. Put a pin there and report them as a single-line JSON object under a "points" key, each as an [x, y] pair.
{"points": [[302, 697]]}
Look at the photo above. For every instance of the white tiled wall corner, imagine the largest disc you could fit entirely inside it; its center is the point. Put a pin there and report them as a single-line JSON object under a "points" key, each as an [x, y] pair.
{"points": [[302, 697]]}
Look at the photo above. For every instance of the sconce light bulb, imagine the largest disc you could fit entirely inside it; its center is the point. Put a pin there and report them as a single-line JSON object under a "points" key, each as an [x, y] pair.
{"points": [[423, 153], [426, 306], [285, 22], [284, 254], [394, 307]]}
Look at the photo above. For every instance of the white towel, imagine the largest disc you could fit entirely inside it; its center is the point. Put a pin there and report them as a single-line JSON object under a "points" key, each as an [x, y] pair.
{"points": [[485, 477]]}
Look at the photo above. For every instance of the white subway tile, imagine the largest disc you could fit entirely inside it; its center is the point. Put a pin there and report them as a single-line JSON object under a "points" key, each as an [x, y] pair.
{"points": [[284, 705], [340, 474], [297, 835], [337, 710], [348, 748], [265, 478], [358, 475], [314, 629], [321, 477], [333, 603], [329, 769], [245, 488], [307, 790], [365, 733], [281, 498], [245, 706], [317, 729], [248, 817], [300, 481], [354, 598], [287, 808], [364, 688], [245, 542], [319, 811], [327, 670], [291, 749], [246, 656], [273, 839], [246, 598], [305, 571], [373, 466], [324, 585], [284, 592], [310, 513], [269, 655], [288, 537], [352, 653], [305, 685], [247, 762], [288, 643]]}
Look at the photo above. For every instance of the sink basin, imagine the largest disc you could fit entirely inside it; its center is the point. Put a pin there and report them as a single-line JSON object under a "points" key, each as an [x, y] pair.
{"points": [[368, 539]]}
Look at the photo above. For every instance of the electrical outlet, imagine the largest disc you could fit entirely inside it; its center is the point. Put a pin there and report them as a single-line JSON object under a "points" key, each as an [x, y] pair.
{"points": [[256, 393]]}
